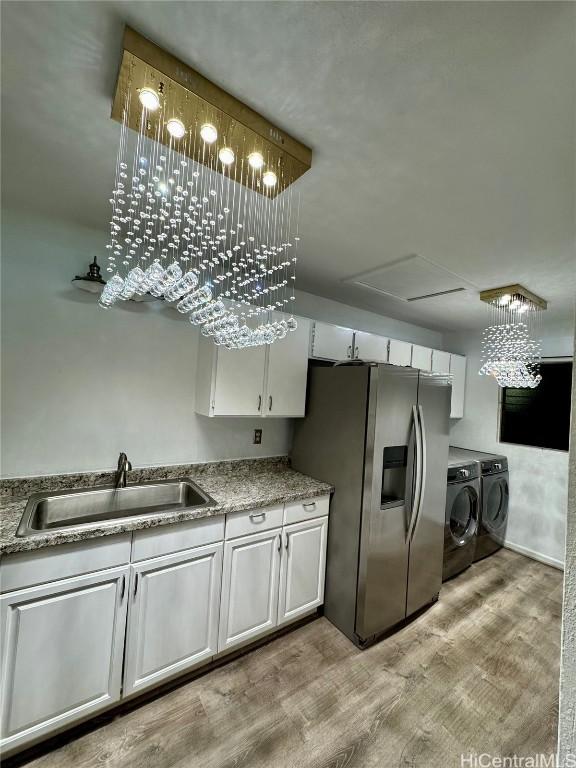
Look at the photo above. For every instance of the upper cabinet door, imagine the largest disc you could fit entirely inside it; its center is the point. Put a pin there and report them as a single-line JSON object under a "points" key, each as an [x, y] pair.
{"points": [[239, 383], [287, 373], [62, 647], [400, 352], [370, 346], [440, 361], [458, 371], [173, 618], [421, 358], [331, 342]]}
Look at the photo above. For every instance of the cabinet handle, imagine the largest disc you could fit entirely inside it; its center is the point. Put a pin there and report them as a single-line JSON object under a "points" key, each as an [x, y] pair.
{"points": [[356, 352], [254, 515], [310, 505], [123, 588], [349, 352], [259, 402], [287, 541], [279, 542], [270, 403], [136, 585]]}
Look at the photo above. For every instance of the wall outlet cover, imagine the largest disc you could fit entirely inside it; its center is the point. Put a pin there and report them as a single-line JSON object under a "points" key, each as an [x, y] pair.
{"points": [[257, 437]]}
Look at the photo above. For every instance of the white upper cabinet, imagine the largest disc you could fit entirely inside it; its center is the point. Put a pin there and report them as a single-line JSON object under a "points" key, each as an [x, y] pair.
{"points": [[440, 361], [230, 381], [400, 352], [421, 357], [269, 380], [62, 647], [331, 342], [286, 372], [370, 346], [458, 372], [173, 616]]}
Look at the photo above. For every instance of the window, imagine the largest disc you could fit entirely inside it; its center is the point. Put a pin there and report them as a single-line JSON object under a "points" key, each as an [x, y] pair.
{"points": [[541, 416]]}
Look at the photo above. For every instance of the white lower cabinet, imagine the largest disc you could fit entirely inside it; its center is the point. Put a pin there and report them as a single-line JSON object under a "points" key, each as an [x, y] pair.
{"points": [[65, 643], [173, 615], [62, 648], [249, 604], [302, 569]]}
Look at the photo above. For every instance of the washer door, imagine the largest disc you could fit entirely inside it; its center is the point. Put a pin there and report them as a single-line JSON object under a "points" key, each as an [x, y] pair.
{"points": [[464, 515], [495, 512]]}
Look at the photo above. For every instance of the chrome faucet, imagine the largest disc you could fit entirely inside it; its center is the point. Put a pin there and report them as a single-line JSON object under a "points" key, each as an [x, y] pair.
{"points": [[124, 466]]}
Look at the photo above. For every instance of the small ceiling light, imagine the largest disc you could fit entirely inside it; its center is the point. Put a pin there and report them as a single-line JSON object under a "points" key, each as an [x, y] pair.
{"points": [[209, 133], [269, 179], [226, 156], [505, 299], [92, 281], [149, 99], [256, 160], [175, 128]]}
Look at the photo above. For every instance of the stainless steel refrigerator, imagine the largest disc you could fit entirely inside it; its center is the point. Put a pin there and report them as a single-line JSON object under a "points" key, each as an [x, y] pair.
{"points": [[379, 434]]}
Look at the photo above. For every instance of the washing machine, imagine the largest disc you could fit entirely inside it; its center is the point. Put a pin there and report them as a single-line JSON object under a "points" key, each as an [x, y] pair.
{"points": [[494, 506], [462, 515], [494, 495]]}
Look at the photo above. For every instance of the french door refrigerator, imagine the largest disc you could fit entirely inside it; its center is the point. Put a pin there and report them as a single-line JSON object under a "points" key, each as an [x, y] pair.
{"points": [[379, 434]]}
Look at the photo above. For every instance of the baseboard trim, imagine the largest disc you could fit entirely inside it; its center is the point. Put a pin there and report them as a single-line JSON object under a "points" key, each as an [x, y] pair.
{"points": [[535, 555]]}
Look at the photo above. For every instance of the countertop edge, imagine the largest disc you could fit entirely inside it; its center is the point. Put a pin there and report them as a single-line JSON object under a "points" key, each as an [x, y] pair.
{"points": [[40, 541]]}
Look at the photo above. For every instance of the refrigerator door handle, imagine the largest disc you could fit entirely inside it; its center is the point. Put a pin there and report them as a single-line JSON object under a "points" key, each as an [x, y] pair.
{"points": [[418, 472], [422, 468]]}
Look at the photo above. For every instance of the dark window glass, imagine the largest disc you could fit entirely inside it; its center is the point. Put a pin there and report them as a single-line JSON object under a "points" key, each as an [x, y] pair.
{"points": [[541, 416]]}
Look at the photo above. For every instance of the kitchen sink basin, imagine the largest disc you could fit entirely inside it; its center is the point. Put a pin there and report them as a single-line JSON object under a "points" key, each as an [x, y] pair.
{"points": [[105, 504]]}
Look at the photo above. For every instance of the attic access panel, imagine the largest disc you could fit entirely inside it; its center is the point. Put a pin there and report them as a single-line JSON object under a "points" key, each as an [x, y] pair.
{"points": [[411, 278]]}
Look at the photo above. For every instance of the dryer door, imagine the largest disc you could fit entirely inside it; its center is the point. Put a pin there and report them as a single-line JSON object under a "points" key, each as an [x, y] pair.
{"points": [[464, 514], [495, 504]]}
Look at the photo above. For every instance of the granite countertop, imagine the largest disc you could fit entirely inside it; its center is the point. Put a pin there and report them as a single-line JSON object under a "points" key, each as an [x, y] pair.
{"points": [[234, 486]]}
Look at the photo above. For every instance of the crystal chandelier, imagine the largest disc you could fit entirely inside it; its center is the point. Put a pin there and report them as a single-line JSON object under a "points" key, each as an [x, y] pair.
{"points": [[511, 348], [204, 212]]}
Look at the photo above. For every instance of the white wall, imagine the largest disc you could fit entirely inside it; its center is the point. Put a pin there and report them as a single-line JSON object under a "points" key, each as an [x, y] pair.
{"points": [[538, 477], [80, 384]]}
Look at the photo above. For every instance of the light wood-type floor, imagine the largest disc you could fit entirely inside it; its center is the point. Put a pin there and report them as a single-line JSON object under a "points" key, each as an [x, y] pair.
{"points": [[478, 672]]}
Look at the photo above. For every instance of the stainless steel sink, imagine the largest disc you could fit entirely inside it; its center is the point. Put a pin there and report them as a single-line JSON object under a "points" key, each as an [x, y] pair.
{"points": [[105, 504]]}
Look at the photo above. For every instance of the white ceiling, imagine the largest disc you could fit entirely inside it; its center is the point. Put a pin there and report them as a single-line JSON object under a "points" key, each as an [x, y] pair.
{"points": [[445, 130]]}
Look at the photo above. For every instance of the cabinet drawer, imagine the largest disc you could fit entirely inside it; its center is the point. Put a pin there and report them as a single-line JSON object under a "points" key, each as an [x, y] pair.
{"points": [[62, 561], [297, 511], [166, 539], [253, 521]]}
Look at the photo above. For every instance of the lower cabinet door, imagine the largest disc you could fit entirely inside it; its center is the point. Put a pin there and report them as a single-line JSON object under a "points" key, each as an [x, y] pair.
{"points": [[302, 570], [62, 648], [173, 615], [250, 576]]}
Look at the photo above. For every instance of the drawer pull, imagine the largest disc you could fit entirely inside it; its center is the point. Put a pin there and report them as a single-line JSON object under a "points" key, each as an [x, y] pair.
{"points": [[311, 505], [123, 588], [254, 515]]}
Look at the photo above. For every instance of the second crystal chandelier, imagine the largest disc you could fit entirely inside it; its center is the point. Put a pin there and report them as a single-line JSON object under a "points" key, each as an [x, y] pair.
{"points": [[204, 213], [510, 345]]}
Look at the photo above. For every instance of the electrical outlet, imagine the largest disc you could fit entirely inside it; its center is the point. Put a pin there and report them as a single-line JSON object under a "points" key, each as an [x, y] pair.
{"points": [[257, 437]]}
